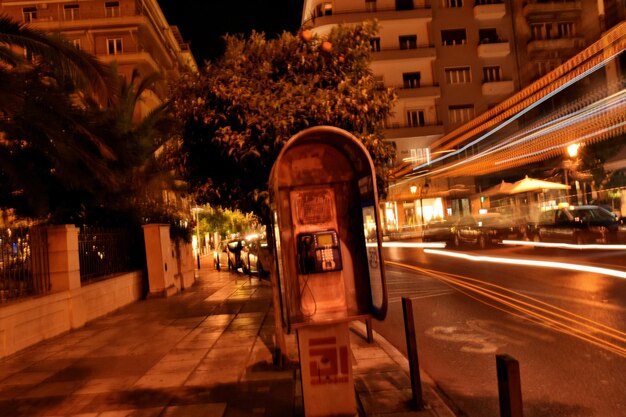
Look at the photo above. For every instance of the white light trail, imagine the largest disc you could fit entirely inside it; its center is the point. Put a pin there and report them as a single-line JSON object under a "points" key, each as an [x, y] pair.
{"points": [[563, 245], [419, 245], [529, 262]]}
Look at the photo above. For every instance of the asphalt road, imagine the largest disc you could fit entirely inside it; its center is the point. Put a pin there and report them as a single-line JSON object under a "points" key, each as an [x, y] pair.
{"points": [[567, 328]]}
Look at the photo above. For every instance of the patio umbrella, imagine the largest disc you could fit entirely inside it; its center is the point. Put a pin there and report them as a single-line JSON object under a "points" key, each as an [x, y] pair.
{"points": [[533, 184], [503, 188]]}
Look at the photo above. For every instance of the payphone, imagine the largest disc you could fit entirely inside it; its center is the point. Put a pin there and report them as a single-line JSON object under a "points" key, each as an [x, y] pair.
{"points": [[328, 249]]}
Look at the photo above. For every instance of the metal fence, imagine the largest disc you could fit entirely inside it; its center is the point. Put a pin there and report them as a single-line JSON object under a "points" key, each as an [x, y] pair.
{"points": [[23, 262], [107, 251]]}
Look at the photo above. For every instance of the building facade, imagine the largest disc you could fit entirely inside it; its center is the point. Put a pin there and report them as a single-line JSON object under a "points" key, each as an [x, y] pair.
{"points": [[133, 34], [452, 60]]}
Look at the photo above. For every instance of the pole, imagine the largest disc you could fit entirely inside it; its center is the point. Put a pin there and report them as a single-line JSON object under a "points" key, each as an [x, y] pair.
{"points": [[198, 235], [509, 386], [411, 352]]}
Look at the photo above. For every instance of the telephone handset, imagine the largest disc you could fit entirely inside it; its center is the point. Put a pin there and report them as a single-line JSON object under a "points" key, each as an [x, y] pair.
{"points": [[319, 252]]}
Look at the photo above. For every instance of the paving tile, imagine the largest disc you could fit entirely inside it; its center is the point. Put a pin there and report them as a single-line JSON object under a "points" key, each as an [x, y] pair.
{"points": [[142, 412], [52, 389], [214, 377], [171, 379], [196, 410], [102, 385]]}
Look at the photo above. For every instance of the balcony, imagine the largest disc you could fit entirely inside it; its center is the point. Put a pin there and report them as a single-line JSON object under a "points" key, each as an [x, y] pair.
{"points": [[422, 52], [540, 45], [420, 92], [397, 131], [361, 15], [496, 88], [489, 11], [543, 9], [497, 49]]}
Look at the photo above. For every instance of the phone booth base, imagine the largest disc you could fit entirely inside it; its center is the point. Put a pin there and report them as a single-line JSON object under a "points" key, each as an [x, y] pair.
{"points": [[326, 370]]}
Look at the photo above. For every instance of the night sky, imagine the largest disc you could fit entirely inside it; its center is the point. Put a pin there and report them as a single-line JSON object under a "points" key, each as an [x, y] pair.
{"points": [[202, 23]]}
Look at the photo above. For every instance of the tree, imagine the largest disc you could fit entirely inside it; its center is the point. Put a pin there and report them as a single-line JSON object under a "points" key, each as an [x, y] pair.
{"points": [[239, 112]]}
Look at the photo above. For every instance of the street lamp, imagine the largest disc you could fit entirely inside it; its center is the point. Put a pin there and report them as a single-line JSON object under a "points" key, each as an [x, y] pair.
{"points": [[572, 151]]}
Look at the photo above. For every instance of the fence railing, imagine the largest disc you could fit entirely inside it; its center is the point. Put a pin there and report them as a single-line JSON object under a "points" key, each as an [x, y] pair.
{"points": [[23, 262], [107, 251]]}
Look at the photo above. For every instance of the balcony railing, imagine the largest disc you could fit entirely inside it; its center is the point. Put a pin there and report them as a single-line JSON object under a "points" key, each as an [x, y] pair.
{"points": [[555, 44], [362, 14], [543, 7]]}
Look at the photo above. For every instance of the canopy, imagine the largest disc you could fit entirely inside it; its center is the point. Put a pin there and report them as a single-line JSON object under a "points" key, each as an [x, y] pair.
{"points": [[533, 184], [503, 188]]}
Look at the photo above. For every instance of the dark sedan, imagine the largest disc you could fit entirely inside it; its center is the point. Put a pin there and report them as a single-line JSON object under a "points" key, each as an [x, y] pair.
{"points": [[483, 230], [575, 224]]}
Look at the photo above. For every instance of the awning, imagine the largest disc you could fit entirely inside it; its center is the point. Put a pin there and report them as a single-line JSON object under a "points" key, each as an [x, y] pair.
{"points": [[533, 184], [617, 162]]}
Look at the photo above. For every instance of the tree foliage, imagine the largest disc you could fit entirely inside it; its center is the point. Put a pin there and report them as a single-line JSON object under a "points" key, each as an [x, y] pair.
{"points": [[239, 112]]}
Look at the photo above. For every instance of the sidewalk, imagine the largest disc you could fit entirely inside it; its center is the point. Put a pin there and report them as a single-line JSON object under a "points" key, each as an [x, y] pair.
{"points": [[206, 352]]}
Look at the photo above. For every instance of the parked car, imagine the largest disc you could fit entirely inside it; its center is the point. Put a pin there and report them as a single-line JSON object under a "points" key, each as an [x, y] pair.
{"points": [[255, 257], [575, 224], [234, 248], [439, 231], [220, 255], [621, 230], [486, 229]]}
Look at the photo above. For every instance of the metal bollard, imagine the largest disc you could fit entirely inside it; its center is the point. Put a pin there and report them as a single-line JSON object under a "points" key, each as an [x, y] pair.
{"points": [[368, 327], [509, 386], [411, 351]]}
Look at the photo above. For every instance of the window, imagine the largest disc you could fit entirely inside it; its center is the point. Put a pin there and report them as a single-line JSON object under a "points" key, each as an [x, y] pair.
{"points": [[541, 31], [460, 114], [112, 9], [375, 43], [30, 14], [488, 36], [415, 118], [370, 5], [453, 37], [491, 74], [408, 42], [566, 29], [544, 67], [411, 79], [324, 9], [70, 12], [76, 43], [420, 156], [458, 75], [452, 3], [114, 46], [404, 4]]}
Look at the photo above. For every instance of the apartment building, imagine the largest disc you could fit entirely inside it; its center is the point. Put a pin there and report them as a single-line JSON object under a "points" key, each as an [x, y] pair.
{"points": [[452, 60], [132, 33]]}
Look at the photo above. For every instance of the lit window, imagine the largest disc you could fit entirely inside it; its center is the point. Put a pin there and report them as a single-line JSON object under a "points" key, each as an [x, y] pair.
{"points": [[491, 74], [408, 42], [453, 37], [411, 79], [370, 5], [324, 9], [420, 156], [415, 118], [112, 9], [460, 114], [458, 75], [114, 46], [70, 12], [30, 14]]}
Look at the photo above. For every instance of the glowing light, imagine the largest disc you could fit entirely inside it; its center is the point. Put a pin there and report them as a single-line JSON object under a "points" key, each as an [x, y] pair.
{"points": [[531, 262], [572, 150]]}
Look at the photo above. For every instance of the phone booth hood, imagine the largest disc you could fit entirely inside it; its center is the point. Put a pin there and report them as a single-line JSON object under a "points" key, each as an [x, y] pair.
{"points": [[327, 231]]}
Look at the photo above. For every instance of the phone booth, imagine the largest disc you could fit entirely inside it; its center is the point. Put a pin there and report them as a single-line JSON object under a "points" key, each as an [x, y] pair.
{"points": [[329, 257]]}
